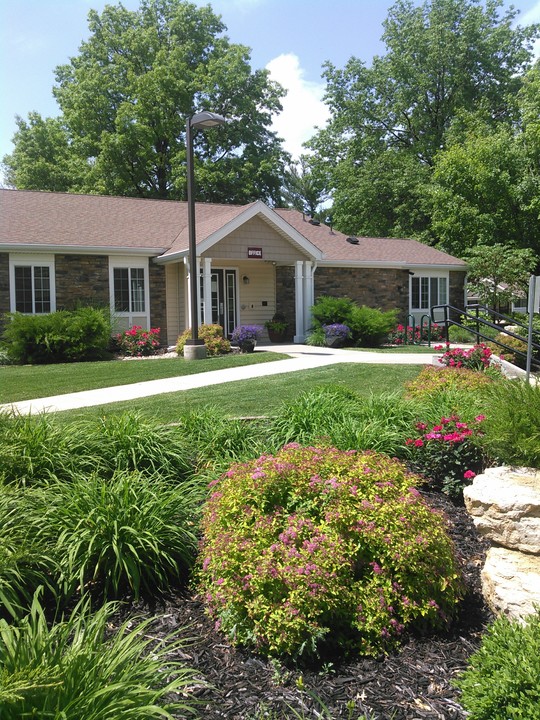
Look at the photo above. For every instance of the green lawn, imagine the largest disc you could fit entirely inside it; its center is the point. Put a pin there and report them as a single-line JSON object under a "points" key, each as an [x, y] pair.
{"points": [[261, 396], [399, 349], [35, 381]]}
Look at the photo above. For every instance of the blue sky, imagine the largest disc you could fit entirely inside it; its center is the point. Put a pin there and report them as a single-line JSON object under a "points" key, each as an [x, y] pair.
{"points": [[292, 38]]}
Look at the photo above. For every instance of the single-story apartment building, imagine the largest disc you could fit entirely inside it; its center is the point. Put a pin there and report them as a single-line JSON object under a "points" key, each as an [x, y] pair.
{"points": [[60, 249]]}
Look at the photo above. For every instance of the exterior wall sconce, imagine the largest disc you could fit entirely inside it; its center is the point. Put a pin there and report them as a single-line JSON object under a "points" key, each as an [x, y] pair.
{"points": [[245, 280]]}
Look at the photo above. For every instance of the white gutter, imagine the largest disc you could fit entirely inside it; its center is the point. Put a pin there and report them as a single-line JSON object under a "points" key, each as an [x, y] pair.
{"points": [[82, 249]]}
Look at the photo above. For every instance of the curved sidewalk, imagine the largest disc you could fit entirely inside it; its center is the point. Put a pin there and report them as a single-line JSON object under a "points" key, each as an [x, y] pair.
{"points": [[302, 357]]}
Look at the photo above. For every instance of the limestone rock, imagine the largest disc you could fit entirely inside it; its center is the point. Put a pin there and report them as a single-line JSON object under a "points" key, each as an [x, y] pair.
{"points": [[511, 582], [504, 503]]}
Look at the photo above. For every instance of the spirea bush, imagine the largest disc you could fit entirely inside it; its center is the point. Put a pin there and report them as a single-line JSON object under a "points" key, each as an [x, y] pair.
{"points": [[316, 548], [501, 681], [432, 380]]}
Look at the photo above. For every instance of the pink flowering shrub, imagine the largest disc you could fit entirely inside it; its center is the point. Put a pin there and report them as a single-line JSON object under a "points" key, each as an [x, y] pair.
{"points": [[408, 335], [447, 453], [475, 358], [317, 547], [137, 342]]}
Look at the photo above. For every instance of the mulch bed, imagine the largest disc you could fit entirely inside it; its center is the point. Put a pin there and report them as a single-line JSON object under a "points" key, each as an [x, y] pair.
{"points": [[415, 683]]}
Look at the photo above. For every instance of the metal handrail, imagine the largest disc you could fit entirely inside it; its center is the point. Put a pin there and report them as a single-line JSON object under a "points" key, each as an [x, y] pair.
{"points": [[481, 321]]}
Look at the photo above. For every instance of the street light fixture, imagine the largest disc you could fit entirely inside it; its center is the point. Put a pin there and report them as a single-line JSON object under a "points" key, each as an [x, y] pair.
{"points": [[195, 349]]}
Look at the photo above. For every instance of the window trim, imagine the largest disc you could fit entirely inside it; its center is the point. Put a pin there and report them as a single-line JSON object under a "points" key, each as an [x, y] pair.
{"points": [[130, 263], [32, 261], [429, 276]]}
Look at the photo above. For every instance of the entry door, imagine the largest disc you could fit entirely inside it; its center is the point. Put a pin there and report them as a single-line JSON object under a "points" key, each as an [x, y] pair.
{"points": [[224, 311]]}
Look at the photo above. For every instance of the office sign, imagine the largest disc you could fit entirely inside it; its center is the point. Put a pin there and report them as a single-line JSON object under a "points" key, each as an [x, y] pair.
{"points": [[255, 252]]}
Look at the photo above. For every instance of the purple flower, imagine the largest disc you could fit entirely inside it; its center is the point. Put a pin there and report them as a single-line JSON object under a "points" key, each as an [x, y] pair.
{"points": [[338, 330]]}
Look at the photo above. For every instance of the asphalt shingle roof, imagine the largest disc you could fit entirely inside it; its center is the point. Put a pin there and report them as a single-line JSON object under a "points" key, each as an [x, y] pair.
{"points": [[44, 219]]}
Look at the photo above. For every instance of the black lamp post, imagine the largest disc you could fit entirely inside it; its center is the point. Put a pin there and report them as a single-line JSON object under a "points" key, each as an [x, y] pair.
{"points": [[195, 349]]}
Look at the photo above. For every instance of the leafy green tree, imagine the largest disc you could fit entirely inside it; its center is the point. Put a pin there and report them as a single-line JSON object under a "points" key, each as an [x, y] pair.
{"points": [[386, 196], [484, 191], [43, 158], [304, 186], [442, 57], [498, 272], [125, 97]]}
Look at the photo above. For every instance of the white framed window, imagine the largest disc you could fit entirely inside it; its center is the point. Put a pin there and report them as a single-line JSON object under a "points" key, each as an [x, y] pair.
{"points": [[428, 290], [32, 284], [129, 291]]}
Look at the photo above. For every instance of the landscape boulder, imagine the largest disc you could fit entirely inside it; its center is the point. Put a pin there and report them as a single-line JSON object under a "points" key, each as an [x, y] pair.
{"points": [[511, 582], [504, 503]]}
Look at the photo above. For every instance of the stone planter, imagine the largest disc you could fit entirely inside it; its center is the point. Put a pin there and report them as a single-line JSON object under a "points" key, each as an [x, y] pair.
{"points": [[334, 341], [277, 336], [247, 346]]}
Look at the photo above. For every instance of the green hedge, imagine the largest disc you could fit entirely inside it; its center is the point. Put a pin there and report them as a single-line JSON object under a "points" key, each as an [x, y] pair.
{"points": [[62, 336], [369, 326]]}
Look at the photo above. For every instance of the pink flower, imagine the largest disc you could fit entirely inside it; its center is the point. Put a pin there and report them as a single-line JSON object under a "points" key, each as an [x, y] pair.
{"points": [[469, 474]]}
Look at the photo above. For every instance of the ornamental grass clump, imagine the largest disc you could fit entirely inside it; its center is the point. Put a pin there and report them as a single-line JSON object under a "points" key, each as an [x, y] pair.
{"points": [[319, 549], [90, 666], [128, 533]]}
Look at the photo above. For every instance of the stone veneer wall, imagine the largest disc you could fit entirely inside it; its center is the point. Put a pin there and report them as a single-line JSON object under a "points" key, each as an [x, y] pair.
{"points": [[85, 279], [379, 288], [385, 289], [81, 279], [158, 299]]}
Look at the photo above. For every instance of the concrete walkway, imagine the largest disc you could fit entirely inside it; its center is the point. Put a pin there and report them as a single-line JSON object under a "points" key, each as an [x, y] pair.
{"points": [[302, 357]]}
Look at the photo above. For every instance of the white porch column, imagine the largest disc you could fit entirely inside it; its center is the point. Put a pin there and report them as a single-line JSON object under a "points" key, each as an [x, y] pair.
{"points": [[308, 293], [299, 301], [207, 289]]}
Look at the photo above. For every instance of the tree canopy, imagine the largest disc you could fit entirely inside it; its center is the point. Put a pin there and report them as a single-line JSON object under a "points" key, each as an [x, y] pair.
{"points": [[390, 121], [124, 100], [498, 273]]}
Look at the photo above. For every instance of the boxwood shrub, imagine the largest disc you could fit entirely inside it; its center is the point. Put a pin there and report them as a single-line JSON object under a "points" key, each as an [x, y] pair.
{"points": [[501, 681], [317, 549], [62, 336]]}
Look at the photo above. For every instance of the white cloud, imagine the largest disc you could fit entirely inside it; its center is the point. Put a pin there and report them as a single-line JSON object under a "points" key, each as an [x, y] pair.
{"points": [[303, 108], [531, 16]]}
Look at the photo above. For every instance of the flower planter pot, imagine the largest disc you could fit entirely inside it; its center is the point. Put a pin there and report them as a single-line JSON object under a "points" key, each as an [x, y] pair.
{"points": [[334, 342], [247, 346], [276, 336]]}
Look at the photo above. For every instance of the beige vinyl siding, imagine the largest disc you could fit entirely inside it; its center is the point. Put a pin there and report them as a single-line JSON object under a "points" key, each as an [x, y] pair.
{"points": [[261, 289], [256, 233], [176, 303]]}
